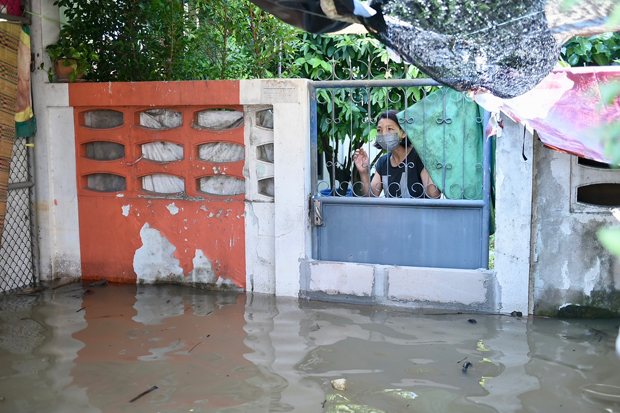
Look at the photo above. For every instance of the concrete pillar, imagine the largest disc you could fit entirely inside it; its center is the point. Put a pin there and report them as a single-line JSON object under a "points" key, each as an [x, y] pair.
{"points": [[513, 218], [55, 183], [291, 170]]}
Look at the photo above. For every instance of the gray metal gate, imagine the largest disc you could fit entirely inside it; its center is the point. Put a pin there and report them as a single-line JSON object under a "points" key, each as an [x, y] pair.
{"points": [[18, 248], [450, 232]]}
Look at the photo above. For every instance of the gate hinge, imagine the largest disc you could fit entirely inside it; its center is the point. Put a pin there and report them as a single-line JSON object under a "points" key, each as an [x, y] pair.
{"points": [[317, 217]]}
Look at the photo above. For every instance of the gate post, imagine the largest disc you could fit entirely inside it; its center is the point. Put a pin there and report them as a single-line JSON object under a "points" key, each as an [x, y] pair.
{"points": [[291, 134]]}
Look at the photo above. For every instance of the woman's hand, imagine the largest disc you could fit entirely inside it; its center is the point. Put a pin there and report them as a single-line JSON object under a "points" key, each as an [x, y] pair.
{"points": [[362, 161]]}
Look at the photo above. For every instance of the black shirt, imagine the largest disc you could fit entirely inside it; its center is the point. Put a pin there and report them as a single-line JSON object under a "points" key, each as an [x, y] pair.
{"points": [[395, 175]]}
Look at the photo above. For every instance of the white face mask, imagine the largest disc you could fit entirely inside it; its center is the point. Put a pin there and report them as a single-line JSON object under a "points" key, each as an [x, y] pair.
{"points": [[388, 141]]}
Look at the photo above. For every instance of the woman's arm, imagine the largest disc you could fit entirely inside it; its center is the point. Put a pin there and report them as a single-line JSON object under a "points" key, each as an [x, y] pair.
{"points": [[429, 186], [362, 163]]}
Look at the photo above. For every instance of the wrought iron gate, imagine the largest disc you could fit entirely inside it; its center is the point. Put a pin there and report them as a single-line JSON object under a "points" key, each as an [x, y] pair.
{"points": [[450, 232], [18, 264]]}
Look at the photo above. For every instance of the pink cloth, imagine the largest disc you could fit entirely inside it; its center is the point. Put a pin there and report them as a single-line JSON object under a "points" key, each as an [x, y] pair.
{"points": [[565, 109]]}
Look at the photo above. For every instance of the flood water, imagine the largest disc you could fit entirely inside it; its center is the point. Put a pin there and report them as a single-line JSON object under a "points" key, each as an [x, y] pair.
{"points": [[66, 351]]}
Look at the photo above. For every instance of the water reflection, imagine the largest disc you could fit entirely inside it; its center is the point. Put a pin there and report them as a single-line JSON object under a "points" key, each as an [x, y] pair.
{"points": [[63, 351]]}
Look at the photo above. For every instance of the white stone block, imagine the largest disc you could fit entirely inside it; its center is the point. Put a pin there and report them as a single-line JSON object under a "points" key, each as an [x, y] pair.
{"points": [[341, 278], [437, 285]]}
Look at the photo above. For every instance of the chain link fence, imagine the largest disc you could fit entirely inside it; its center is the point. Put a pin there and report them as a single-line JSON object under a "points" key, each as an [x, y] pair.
{"points": [[17, 269]]}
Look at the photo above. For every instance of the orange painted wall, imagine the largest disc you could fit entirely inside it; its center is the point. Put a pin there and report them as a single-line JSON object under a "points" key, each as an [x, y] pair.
{"points": [[211, 223]]}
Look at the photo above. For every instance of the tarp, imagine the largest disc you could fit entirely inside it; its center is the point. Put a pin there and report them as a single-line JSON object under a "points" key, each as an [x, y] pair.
{"points": [[565, 109], [504, 46]]}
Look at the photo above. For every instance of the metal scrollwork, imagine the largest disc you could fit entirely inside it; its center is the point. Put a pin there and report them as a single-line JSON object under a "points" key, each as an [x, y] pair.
{"points": [[444, 120], [361, 107], [456, 96]]}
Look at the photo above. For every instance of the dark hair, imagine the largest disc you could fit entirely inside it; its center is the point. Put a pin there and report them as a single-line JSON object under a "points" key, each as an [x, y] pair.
{"points": [[390, 114]]}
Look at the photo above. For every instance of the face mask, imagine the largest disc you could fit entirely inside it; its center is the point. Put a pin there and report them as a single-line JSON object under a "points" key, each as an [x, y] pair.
{"points": [[388, 141]]}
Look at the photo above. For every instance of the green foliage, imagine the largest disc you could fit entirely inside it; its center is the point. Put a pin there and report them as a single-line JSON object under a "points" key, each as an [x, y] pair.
{"points": [[229, 42], [599, 50], [140, 40]]}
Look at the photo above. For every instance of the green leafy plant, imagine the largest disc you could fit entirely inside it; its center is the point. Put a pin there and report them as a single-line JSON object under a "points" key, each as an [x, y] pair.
{"points": [[599, 50], [67, 53], [163, 40]]}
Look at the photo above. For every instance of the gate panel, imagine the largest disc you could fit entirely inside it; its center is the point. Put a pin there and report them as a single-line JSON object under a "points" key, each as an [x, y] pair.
{"points": [[416, 234], [423, 229], [160, 212]]}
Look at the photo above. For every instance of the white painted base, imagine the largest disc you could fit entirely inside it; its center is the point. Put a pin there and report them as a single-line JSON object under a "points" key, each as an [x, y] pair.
{"points": [[417, 287]]}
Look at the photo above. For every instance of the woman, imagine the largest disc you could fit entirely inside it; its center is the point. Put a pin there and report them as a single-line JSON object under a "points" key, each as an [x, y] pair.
{"points": [[400, 168]]}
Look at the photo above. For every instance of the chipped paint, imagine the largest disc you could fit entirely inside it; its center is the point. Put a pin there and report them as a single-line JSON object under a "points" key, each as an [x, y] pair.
{"points": [[120, 195], [591, 277], [155, 259], [224, 282], [125, 209], [173, 209], [203, 269]]}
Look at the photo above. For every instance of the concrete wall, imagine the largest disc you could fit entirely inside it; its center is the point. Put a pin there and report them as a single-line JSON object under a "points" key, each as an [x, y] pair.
{"points": [[569, 265]]}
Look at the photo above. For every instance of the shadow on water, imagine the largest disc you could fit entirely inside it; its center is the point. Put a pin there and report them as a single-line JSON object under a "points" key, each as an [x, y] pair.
{"points": [[177, 349]]}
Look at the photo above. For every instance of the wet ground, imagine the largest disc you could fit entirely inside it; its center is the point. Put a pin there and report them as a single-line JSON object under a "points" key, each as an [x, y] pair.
{"points": [[69, 350]]}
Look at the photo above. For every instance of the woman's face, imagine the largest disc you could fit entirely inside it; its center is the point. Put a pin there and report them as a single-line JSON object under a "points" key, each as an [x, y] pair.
{"points": [[386, 125]]}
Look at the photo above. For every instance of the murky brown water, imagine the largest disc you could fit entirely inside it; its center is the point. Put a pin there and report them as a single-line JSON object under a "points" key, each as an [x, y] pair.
{"points": [[61, 351]]}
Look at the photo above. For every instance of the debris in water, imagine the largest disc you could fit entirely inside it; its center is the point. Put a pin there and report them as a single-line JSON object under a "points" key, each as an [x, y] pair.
{"points": [[602, 391], [144, 393], [459, 362], [99, 283], [87, 291], [190, 350], [466, 365], [472, 321], [516, 314], [339, 384]]}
